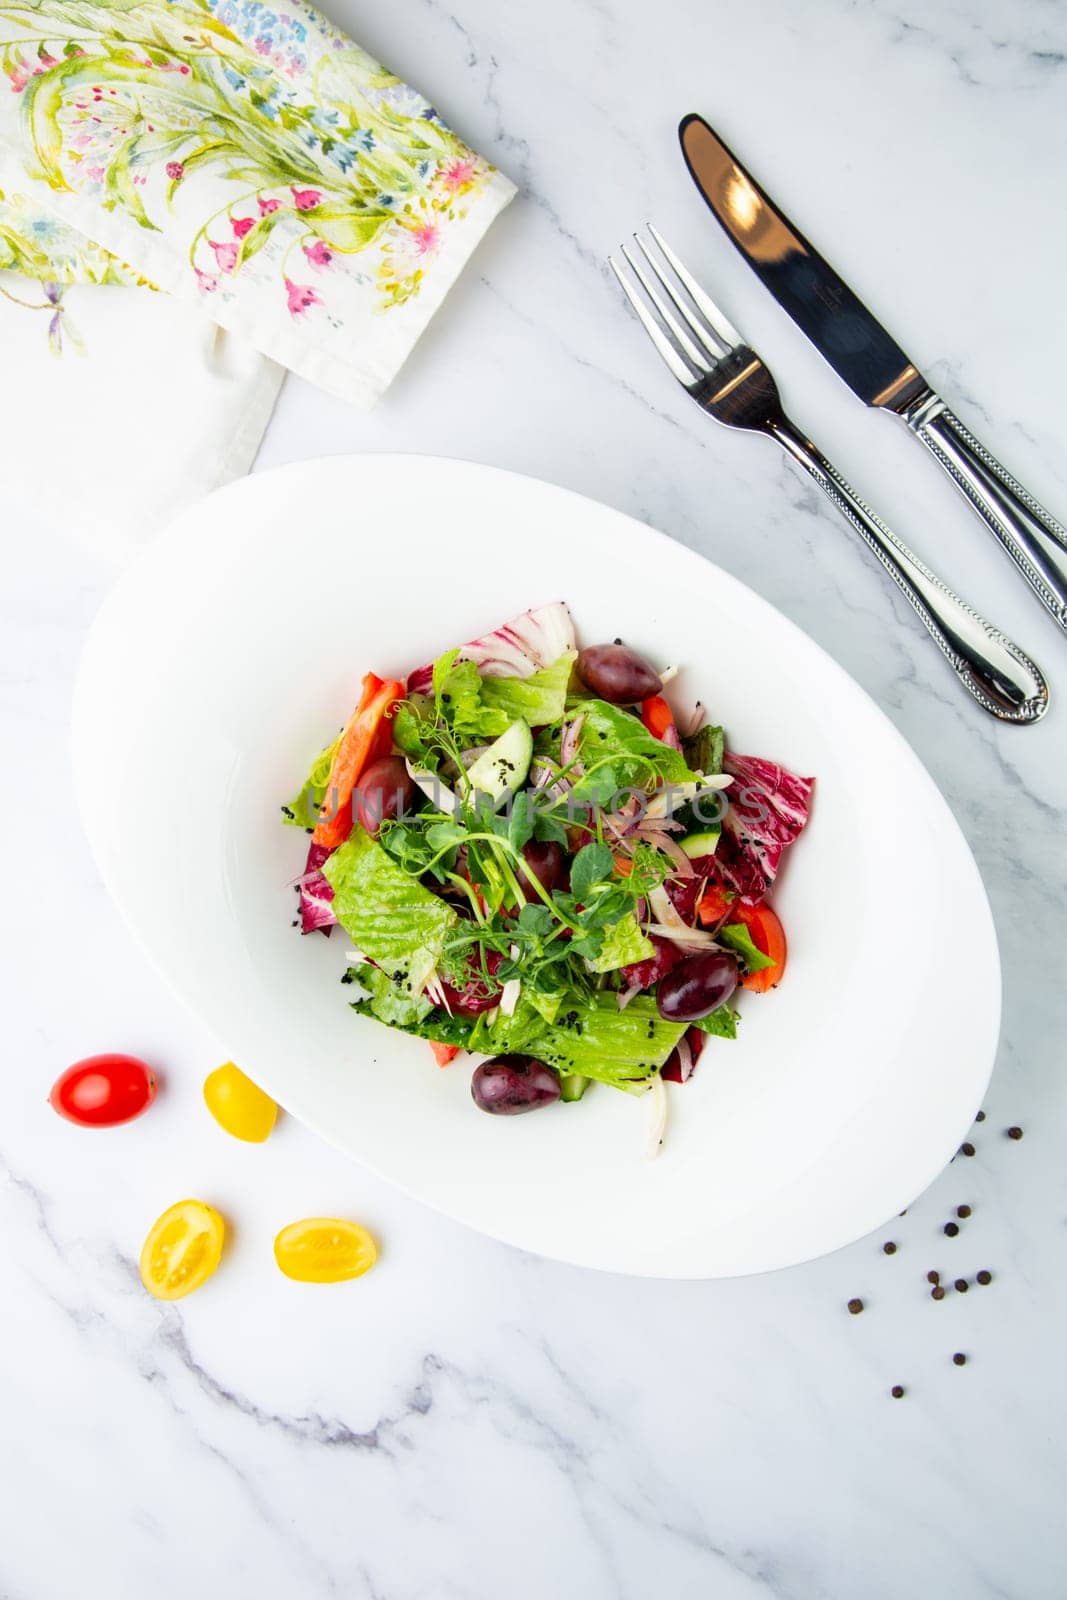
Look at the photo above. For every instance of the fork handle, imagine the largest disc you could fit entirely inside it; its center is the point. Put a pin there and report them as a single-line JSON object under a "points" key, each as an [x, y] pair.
{"points": [[1003, 680], [1033, 538]]}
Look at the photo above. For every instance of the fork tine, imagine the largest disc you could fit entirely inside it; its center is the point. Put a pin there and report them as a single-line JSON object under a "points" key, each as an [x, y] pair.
{"points": [[720, 324], [672, 354], [700, 357], [709, 342]]}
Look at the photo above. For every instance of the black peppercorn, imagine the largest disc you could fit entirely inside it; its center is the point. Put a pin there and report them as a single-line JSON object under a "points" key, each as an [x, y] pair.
{"points": [[963, 1211], [951, 1228], [959, 1359], [889, 1248], [1015, 1133], [855, 1306], [937, 1293], [983, 1276], [897, 1391]]}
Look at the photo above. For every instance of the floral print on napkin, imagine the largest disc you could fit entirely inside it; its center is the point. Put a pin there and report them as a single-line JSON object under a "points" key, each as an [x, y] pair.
{"points": [[240, 151]]}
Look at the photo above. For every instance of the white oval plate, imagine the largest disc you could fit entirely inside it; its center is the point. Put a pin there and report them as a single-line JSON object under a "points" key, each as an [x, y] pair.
{"points": [[233, 650]]}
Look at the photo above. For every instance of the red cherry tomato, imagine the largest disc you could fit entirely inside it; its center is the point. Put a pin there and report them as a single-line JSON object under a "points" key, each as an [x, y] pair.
{"points": [[104, 1090]]}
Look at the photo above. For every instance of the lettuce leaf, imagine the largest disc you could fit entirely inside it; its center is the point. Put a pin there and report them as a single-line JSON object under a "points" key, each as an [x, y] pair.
{"points": [[594, 1038], [480, 708], [618, 752], [303, 812], [538, 699], [736, 937], [624, 944], [457, 692], [390, 917]]}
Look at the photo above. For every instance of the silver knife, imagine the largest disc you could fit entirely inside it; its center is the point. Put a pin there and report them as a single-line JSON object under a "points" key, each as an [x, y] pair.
{"points": [[872, 364]]}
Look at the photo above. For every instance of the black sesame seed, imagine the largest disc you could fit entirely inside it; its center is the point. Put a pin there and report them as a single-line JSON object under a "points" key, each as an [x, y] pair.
{"points": [[897, 1391], [983, 1276], [963, 1211], [961, 1285], [889, 1248], [967, 1149], [959, 1359], [855, 1306], [951, 1228], [617, 641], [1015, 1133], [932, 1276], [937, 1293]]}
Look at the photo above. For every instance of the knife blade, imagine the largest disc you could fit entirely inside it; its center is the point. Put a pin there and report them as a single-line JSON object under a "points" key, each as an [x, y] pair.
{"points": [[871, 362]]}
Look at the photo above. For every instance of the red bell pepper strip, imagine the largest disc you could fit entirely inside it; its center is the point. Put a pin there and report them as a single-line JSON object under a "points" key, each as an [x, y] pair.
{"points": [[367, 736], [768, 936], [443, 1053], [658, 718]]}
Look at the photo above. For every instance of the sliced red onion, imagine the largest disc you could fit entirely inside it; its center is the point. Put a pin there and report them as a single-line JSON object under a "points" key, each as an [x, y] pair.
{"points": [[568, 745], [658, 1127], [432, 787], [693, 722], [685, 1058], [624, 996]]}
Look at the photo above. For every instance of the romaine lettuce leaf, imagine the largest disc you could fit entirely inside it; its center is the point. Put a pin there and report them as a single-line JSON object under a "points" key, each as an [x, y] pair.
{"points": [[479, 708], [538, 699], [390, 917], [377, 994], [303, 812], [596, 1039]]}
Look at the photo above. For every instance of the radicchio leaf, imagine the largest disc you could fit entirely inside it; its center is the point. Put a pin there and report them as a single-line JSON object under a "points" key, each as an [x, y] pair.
{"points": [[768, 810], [316, 894], [517, 649]]}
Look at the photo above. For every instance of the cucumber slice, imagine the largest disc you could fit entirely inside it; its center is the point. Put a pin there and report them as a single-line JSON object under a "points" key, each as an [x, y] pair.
{"points": [[572, 1086], [696, 845], [502, 769]]}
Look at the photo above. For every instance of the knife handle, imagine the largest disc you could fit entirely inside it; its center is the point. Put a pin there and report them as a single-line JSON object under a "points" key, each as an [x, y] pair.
{"points": [[992, 668], [1033, 539]]}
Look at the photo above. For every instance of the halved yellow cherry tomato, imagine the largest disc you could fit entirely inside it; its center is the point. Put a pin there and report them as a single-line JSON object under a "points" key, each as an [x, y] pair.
{"points": [[324, 1250], [182, 1250], [239, 1105]]}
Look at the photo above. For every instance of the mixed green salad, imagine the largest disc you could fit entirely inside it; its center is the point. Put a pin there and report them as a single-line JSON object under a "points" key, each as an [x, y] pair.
{"points": [[538, 862]]}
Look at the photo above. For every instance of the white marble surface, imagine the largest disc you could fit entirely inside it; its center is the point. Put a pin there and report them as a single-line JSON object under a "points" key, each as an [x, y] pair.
{"points": [[469, 1422]]}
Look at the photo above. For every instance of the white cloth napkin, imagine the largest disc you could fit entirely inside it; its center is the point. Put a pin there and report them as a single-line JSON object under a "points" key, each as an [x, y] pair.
{"points": [[254, 163], [120, 406]]}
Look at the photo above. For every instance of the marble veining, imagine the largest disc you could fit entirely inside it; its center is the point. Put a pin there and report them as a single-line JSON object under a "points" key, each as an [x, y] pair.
{"points": [[469, 1421]]}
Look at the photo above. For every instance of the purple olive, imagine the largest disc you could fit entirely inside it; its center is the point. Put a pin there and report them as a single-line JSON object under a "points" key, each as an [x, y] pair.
{"points": [[385, 790], [697, 986], [509, 1085], [545, 860], [616, 673]]}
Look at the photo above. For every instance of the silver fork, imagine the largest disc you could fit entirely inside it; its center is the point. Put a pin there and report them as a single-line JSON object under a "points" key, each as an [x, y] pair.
{"points": [[728, 380]]}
